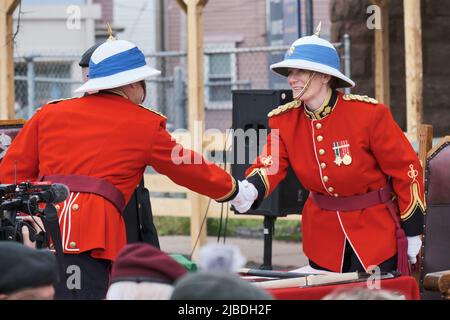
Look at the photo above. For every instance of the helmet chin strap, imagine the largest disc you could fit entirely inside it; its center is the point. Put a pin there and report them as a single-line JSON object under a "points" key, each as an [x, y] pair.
{"points": [[300, 94]]}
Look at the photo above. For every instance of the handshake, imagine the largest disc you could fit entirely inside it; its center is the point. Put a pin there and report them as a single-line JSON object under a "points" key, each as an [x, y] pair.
{"points": [[246, 196]]}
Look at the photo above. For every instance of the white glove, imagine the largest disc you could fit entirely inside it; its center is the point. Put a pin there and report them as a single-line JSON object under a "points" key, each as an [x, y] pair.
{"points": [[246, 196], [414, 244]]}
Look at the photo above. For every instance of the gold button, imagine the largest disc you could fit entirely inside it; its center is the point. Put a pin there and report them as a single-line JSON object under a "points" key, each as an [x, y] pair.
{"points": [[75, 207], [336, 195], [57, 207], [325, 178], [323, 165], [319, 138], [321, 152], [318, 125], [73, 244], [330, 189]]}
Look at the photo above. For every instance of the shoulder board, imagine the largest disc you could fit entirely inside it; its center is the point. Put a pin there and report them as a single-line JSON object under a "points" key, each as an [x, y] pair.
{"points": [[283, 108], [151, 110], [358, 97], [59, 100]]}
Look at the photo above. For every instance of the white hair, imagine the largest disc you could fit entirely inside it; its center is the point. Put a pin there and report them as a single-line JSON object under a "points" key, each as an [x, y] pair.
{"points": [[130, 290]]}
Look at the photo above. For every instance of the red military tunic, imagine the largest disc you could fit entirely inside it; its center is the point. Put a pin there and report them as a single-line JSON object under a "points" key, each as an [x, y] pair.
{"points": [[109, 137], [350, 146]]}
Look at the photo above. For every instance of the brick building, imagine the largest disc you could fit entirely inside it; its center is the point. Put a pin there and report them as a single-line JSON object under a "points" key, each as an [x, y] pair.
{"points": [[237, 24], [349, 16]]}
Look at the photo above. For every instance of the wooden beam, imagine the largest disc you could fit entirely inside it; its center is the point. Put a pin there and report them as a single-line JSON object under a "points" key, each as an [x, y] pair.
{"points": [[10, 6], [425, 143], [382, 80], [7, 97], [196, 110], [413, 65], [13, 122]]}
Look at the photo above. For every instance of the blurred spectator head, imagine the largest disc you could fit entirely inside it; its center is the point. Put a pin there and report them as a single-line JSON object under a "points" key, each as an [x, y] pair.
{"points": [[221, 257], [26, 273], [143, 272], [362, 293], [209, 285]]}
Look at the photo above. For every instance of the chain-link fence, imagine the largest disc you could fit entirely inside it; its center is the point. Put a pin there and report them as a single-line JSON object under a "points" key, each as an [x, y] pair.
{"points": [[39, 79]]}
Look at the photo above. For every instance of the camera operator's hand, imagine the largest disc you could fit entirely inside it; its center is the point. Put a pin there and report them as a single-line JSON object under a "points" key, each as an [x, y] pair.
{"points": [[38, 227]]}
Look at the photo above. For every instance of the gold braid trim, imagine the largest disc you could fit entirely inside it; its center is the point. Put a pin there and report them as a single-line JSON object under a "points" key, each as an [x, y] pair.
{"points": [[285, 107], [415, 202], [233, 189], [263, 175]]}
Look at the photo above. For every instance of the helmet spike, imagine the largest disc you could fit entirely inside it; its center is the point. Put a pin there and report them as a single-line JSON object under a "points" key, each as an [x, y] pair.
{"points": [[110, 32], [319, 26]]}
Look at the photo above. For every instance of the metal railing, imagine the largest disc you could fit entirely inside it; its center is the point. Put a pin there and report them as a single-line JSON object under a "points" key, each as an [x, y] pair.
{"points": [[41, 78]]}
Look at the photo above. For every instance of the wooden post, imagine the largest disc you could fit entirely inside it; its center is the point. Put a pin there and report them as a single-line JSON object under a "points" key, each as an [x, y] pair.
{"points": [[414, 69], [194, 9], [425, 143], [382, 80], [7, 97]]}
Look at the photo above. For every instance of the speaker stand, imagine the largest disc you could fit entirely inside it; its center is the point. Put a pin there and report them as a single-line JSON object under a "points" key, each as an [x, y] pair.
{"points": [[269, 226]]}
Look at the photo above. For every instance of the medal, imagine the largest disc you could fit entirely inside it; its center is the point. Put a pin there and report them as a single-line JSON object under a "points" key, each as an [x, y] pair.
{"points": [[347, 159], [342, 153], [338, 161]]}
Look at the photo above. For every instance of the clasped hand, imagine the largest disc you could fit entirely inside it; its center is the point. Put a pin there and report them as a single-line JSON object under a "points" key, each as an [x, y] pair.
{"points": [[246, 196]]}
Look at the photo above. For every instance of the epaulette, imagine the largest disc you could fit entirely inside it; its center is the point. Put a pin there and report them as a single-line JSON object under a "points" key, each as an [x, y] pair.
{"points": [[59, 100], [283, 108], [358, 97], [154, 111]]}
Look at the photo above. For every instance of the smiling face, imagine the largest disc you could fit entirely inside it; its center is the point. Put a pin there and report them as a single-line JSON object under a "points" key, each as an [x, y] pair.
{"points": [[318, 87]]}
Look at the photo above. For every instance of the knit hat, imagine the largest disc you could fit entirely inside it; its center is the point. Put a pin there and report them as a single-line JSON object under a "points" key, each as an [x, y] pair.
{"points": [[22, 267], [208, 285], [143, 262]]}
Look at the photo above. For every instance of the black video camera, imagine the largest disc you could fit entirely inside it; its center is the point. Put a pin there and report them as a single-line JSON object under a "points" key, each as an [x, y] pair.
{"points": [[26, 198]]}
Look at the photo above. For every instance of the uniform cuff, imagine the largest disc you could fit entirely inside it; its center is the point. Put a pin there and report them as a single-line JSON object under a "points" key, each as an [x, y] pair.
{"points": [[413, 225], [232, 194], [257, 179]]}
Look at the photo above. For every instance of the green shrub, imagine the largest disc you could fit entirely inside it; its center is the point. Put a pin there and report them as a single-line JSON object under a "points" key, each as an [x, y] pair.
{"points": [[287, 230]]}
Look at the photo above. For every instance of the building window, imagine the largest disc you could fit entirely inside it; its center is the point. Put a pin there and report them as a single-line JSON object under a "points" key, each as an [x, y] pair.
{"points": [[220, 76]]}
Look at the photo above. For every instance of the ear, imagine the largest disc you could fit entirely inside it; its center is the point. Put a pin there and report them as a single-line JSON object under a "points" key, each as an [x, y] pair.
{"points": [[326, 78]]}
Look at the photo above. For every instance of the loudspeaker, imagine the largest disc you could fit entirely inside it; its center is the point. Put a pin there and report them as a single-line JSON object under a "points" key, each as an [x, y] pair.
{"points": [[250, 109]]}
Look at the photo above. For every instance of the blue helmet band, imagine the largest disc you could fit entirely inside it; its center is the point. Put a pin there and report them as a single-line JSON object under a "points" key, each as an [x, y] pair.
{"points": [[123, 61], [314, 53]]}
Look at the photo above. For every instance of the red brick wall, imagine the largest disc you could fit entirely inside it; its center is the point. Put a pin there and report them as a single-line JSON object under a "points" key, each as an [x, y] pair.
{"points": [[107, 11], [243, 22], [349, 16]]}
